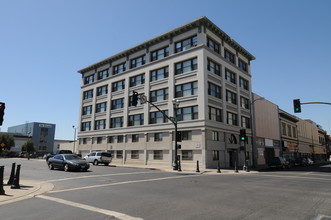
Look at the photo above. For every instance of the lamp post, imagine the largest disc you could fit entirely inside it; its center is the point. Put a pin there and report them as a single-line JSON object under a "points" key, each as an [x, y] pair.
{"points": [[175, 104], [253, 127], [74, 138]]}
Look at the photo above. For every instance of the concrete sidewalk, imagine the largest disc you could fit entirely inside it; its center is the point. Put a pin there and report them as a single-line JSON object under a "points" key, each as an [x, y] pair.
{"points": [[28, 189]]}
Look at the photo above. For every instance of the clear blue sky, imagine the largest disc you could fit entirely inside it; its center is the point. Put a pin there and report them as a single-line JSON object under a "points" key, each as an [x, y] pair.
{"points": [[43, 43]]}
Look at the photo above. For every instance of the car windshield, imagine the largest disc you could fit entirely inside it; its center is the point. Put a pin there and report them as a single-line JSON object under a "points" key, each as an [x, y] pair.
{"points": [[71, 157]]}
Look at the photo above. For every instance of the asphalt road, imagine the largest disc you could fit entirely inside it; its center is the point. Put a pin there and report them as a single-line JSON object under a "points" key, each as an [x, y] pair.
{"points": [[134, 193]]}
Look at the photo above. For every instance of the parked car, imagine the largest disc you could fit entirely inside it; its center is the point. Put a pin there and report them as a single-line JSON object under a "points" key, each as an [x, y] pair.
{"points": [[301, 162], [68, 162], [310, 161], [57, 152], [99, 157], [279, 162]]}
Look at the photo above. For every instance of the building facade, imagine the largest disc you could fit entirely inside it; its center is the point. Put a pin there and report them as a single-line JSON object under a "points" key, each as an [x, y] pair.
{"points": [[42, 135], [196, 64]]}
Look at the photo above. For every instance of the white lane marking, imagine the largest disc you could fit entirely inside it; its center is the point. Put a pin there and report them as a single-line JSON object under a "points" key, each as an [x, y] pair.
{"points": [[296, 177], [120, 183], [92, 176], [90, 208]]}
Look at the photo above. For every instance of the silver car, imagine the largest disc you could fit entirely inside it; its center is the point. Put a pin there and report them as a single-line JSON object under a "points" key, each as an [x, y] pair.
{"points": [[99, 157]]}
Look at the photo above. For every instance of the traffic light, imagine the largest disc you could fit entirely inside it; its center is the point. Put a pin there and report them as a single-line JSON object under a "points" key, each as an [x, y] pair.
{"points": [[242, 135], [179, 136], [297, 105], [135, 98], [2, 111]]}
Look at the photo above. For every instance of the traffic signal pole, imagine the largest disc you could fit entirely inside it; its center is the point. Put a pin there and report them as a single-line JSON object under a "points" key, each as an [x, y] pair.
{"points": [[297, 104]]}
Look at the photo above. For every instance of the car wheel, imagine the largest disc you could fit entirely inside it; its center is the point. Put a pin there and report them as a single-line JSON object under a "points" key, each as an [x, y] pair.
{"points": [[66, 168], [85, 170], [50, 166], [106, 164], [95, 162]]}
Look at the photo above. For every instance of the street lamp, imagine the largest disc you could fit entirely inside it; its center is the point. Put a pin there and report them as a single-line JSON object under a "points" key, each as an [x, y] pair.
{"points": [[74, 138], [175, 103], [253, 127]]}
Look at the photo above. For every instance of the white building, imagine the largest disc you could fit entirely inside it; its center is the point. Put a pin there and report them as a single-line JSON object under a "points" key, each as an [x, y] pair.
{"points": [[197, 64]]}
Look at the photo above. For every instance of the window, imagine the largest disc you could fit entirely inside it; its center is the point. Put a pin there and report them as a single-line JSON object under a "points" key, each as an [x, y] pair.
{"points": [[243, 83], [232, 118], [135, 154], [231, 97], [230, 76], [187, 155], [229, 56], [158, 117], [245, 122], [186, 66], [87, 110], [159, 95], [214, 90], [100, 124], [187, 89], [215, 136], [116, 122], [159, 74], [214, 67], [88, 94], [216, 155], [101, 107], [119, 68], [99, 140], [186, 44], [110, 139], [137, 80], [119, 154], [215, 114], [158, 136], [103, 74], [135, 120], [283, 128], [118, 86], [117, 103], [139, 61], [187, 113], [213, 45], [289, 130], [135, 138], [244, 103], [86, 126], [89, 79], [294, 132], [84, 140], [186, 135], [161, 53], [242, 65], [158, 155], [103, 90], [120, 139]]}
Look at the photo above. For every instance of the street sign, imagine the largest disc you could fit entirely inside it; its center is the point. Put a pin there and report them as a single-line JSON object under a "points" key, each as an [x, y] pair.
{"points": [[173, 119]]}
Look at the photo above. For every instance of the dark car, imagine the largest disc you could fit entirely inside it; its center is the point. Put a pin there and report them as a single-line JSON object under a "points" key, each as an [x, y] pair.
{"points": [[300, 162], [68, 162], [58, 152], [278, 162]]}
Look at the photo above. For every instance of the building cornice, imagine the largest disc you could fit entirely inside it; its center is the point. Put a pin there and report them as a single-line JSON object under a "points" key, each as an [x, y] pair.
{"points": [[198, 23]]}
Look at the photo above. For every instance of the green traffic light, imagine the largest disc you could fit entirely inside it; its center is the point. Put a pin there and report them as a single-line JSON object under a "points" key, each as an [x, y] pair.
{"points": [[242, 138]]}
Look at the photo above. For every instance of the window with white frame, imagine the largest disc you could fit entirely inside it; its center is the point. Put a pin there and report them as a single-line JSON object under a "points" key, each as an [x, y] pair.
{"points": [[159, 74], [232, 118], [160, 53], [186, 44]]}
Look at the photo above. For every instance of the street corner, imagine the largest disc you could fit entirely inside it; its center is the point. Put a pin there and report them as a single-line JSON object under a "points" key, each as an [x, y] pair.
{"points": [[27, 189]]}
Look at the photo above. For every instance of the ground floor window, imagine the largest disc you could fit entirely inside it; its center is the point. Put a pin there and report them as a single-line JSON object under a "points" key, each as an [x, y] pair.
{"points": [[216, 154], [119, 154], [134, 154], [187, 155], [158, 155]]}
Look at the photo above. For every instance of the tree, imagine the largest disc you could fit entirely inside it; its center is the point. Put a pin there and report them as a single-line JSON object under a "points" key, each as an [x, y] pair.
{"points": [[6, 142], [28, 146]]}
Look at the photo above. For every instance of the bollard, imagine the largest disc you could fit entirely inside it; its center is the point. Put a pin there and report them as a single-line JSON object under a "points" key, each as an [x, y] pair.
{"points": [[218, 166], [179, 165], [2, 191], [198, 170], [12, 175], [16, 184]]}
